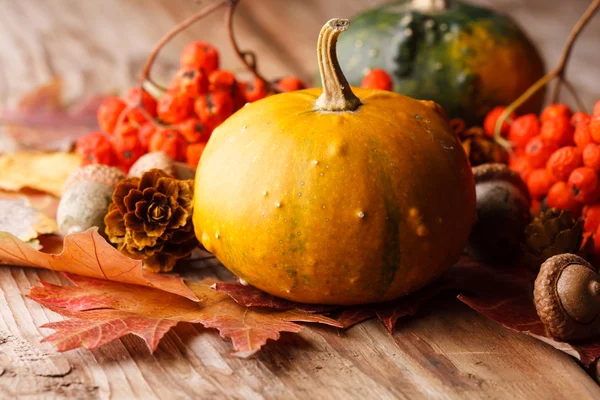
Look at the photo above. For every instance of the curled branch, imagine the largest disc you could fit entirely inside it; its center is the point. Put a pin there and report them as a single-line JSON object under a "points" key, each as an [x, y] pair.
{"points": [[558, 72]]}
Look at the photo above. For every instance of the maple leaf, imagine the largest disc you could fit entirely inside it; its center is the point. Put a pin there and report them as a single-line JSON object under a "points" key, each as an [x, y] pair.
{"points": [[101, 311], [505, 295], [89, 254], [45, 172], [42, 122], [41, 201], [19, 218]]}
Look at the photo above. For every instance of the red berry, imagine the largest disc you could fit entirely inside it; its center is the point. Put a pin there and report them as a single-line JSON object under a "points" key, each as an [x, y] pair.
{"points": [[377, 79], [290, 84], [594, 127], [521, 166], [200, 55], [591, 217], [561, 197], [591, 156], [523, 129], [583, 181], [194, 152], [147, 101], [222, 81], [194, 131], [96, 148], [579, 117], [563, 161], [558, 130], [128, 146], [489, 123], [170, 142], [191, 82], [582, 136], [555, 111], [539, 182], [145, 132], [255, 90], [539, 151], [213, 108], [109, 113], [174, 107]]}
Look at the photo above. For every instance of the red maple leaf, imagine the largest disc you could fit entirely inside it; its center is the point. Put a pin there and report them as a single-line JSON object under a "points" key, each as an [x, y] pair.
{"points": [[100, 311]]}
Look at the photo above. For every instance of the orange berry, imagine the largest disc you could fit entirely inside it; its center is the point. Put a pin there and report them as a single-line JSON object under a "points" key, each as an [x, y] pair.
{"points": [[563, 161], [290, 84], [561, 197], [536, 206], [555, 111], [377, 79], [194, 131], [254, 90], [582, 136], [96, 148], [489, 123], [558, 130], [200, 55], [594, 127], [191, 82], [583, 181], [222, 81], [170, 142], [146, 100], [174, 107], [523, 129], [579, 117], [194, 152], [521, 166], [596, 110], [109, 113], [539, 151], [539, 182], [591, 156], [213, 108], [591, 217], [128, 146], [145, 132]]}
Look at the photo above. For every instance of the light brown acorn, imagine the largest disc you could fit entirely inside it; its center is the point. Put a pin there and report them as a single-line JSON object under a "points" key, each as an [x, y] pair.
{"points": [[567, 297]]}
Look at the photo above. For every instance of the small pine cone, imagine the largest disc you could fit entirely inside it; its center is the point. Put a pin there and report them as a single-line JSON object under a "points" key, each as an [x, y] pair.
{"points": [[481, 149], [150, 219], [552, 232]]}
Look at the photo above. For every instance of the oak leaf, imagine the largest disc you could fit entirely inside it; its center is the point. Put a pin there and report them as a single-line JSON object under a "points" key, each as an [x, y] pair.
{"points": [[45, 172], [89, 254], [101, 311], [41, 120]]}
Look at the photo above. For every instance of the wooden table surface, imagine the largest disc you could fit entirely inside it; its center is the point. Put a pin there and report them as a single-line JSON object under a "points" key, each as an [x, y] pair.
{"points": [[447, 351]]}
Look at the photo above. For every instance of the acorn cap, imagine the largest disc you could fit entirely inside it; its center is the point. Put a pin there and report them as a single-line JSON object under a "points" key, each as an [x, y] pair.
{"points": [[105, 174], [567, 297]]}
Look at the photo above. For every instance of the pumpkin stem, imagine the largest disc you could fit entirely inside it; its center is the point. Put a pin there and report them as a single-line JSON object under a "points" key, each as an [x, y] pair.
{"points": [[337, 95], [430, 5]]}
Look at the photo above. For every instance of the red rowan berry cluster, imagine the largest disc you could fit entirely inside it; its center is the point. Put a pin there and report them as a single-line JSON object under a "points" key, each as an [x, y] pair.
{"points": [[199, 98]]}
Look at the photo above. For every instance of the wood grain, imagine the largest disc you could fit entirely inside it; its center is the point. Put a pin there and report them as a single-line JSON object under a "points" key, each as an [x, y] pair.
{"points": [[446, 352]]}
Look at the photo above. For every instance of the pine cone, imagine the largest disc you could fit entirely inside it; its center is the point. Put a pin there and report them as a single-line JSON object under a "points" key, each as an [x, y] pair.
{"points": [[150, 219], [552, 232], [479, 148]]}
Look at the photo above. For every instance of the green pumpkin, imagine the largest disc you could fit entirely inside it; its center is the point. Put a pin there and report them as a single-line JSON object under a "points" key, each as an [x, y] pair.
{"points": [[466, 58]]}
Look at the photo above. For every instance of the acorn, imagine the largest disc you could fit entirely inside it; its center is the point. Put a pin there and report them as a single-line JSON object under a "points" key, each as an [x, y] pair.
{"points": [[160, 160], [87, 193], [567, 297], [502, 208]]}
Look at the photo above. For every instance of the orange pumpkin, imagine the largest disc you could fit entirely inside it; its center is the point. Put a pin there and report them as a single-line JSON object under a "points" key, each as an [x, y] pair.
{"points": [[324, 196]]}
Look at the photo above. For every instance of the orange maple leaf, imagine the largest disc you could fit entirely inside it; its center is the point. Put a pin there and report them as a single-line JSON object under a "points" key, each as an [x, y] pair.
{"points": [[89, 254], [101, 311]]}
